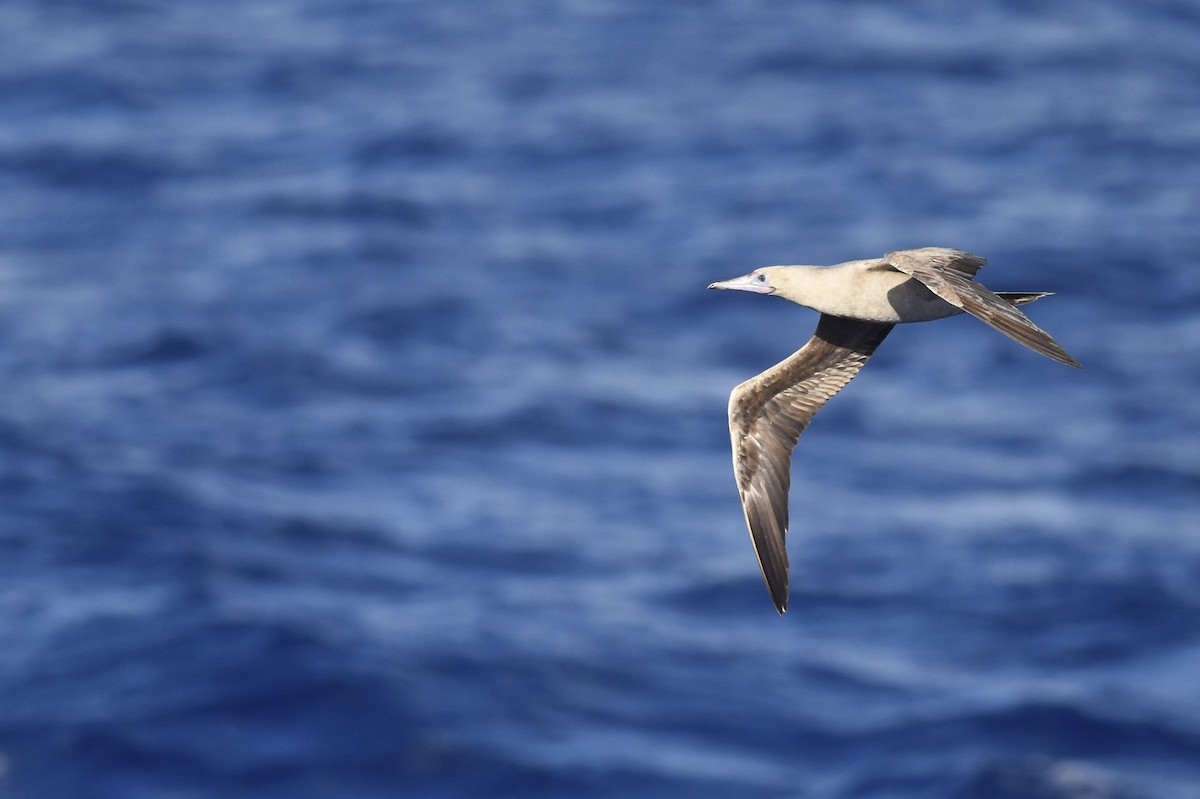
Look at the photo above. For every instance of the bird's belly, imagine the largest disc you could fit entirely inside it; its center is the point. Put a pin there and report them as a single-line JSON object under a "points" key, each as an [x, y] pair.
{"points": [[906, 301]]}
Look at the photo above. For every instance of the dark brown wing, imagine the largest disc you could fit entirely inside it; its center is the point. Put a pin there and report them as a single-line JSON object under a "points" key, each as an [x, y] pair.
{"points": [[950, 274], [768, 413]]}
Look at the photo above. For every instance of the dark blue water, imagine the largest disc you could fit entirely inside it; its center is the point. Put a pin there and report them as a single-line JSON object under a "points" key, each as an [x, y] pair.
{"points": [[362, 430]]}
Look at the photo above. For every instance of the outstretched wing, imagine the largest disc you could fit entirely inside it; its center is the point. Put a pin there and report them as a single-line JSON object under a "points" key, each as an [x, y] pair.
{"points": [[950, 274], [768, 413]]}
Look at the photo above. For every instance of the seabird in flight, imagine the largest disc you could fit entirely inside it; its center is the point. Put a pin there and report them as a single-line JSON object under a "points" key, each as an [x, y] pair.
{"points": [[859, 302]]}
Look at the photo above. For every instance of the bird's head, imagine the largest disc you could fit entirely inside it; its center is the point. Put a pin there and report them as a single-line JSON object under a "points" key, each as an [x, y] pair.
{"points": [[759, 282]]}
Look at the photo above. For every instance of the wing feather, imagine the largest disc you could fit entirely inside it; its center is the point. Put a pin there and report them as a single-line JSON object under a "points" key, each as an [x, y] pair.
{"points": [[767, 415], [950, 274]]}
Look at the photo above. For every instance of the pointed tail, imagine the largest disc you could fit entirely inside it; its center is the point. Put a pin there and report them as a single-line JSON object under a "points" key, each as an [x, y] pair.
{"points": [[1023, 297]]}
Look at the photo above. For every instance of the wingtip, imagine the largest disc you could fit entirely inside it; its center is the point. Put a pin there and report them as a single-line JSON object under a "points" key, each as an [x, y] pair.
{"points": [[1065, 358], [780, 600]]}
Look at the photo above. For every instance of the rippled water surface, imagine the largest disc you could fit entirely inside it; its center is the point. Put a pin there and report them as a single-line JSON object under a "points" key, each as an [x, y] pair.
{"points": [[363, 425]]}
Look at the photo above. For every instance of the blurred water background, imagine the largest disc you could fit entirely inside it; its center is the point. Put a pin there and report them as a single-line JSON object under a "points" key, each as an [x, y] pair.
{"points": [[363, 432]]}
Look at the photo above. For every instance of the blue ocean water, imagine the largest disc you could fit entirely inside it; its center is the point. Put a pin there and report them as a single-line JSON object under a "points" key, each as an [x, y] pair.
{"points": [[363, 432]]}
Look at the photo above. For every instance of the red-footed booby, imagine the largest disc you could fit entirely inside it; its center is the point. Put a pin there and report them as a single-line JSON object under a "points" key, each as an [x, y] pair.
{"points": [[859, 302]]}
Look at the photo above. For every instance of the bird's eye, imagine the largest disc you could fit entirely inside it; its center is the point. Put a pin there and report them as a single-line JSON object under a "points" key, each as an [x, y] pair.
{"points": [[760, 277]]}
